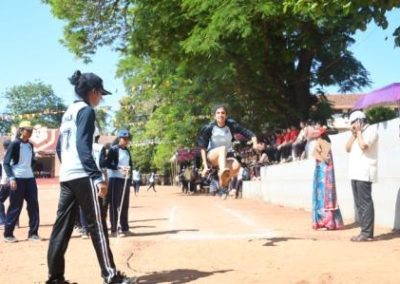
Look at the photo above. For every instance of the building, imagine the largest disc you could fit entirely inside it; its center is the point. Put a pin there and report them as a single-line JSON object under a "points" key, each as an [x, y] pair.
{"points": [[44, 141]]}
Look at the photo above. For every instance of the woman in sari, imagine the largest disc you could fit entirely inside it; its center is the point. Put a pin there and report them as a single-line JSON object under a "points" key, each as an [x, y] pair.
{"points": [[325, 212]]}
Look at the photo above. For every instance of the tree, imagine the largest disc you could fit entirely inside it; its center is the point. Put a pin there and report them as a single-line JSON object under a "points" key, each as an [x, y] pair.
{"points": [[379, 114], [185, 55], [102, 118], [36, 102]]}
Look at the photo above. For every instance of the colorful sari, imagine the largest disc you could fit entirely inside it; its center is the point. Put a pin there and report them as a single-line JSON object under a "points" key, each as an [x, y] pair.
{"points": [[325, 211]]}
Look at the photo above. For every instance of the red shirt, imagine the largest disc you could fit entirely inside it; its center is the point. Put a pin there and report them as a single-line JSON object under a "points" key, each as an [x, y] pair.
{"points": [[293, 134], [279, 139], [287, 136]]}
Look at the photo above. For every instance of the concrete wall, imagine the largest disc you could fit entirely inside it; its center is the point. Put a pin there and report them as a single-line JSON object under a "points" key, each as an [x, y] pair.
{"points": [[291, 184]]}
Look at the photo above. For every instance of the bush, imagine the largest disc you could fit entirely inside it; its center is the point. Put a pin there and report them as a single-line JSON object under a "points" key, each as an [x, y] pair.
{"points": [[379, 114]]}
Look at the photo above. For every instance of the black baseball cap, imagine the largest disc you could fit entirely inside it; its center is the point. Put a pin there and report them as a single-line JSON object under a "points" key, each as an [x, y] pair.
{"points": [[95, 82]]}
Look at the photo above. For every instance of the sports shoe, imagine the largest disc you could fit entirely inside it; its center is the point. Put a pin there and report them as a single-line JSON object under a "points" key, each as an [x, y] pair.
{"points": [[10, 239], [361, 238], [76, 232], [121, 278], [224, 177], [121, 234], [59, 281], [85, 235], [128, 233], [34, 238], [113, 235]]}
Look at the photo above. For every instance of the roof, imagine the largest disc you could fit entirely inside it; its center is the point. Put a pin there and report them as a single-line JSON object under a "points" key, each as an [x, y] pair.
{"points": [[44, 140], [343, 101]]}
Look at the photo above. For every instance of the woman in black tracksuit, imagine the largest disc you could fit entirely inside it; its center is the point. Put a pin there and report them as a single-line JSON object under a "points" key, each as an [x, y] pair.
{"points": [[18, 163], [119, 163], [81, 183]]}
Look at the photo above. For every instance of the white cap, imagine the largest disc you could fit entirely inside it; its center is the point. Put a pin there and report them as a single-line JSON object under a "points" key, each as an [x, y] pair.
{"points": [[358, 114]]}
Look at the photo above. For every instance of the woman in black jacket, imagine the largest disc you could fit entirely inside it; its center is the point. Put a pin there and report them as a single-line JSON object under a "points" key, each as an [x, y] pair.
{"points": [[119, 163], [216, 140], [82, 183], [18, 164]]}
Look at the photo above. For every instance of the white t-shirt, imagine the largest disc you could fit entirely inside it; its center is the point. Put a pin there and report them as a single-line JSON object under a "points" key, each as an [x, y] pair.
{"points": [[24, 167], [135, 175], [96, 153], [221, 136], [363, 165], [123, 161]]}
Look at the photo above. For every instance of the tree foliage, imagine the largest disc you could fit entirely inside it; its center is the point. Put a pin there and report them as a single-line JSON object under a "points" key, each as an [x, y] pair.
{"points": [[179, 57], [36, 102], [379, 114]]}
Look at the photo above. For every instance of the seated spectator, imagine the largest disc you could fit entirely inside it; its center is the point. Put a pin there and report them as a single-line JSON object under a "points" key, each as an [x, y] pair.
{"points": [[279, 142], [286, 146], [270, 148], [312, 133], [300, 142]]}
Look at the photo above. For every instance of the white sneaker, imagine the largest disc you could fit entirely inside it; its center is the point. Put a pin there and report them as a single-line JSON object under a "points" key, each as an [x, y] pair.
{"points": [[11, 239], [34, 238]]}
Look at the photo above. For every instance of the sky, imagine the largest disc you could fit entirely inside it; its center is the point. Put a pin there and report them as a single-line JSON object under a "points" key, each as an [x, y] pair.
{"points": [[30, 50]]}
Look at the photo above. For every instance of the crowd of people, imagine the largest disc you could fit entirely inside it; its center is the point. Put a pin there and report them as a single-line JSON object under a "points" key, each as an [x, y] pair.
{"points": [[95, 180]]}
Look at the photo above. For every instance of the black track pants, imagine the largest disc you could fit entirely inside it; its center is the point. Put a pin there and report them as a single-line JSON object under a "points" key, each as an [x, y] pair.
{"points": [[80, 192]]}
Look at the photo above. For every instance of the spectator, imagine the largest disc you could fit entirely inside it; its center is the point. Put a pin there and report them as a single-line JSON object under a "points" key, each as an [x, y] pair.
{"points": [[152, 181], [279, 140], [325, 211], [119, 162], [4, 187], [312, 132], [300, 142], [18, 163], [362, 147], [136, 180]]}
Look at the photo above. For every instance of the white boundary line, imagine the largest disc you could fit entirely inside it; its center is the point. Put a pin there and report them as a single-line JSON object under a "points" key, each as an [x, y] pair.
{"points": [[238, 216], [216, 236]]}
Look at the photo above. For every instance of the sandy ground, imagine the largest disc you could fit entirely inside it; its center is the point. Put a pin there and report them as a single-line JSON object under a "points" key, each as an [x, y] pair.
{"points": [[204, 239]]}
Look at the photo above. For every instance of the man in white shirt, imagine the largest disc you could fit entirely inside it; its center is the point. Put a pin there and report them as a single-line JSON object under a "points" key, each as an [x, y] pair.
{"points": [[362, 147]]}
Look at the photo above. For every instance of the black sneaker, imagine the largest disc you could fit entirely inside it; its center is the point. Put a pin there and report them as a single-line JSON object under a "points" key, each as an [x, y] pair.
{"points": [[59, 281], [121, 278]]}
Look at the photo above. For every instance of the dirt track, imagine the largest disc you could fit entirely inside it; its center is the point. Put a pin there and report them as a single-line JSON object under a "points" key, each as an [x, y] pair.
{"points": [[203, 239]]}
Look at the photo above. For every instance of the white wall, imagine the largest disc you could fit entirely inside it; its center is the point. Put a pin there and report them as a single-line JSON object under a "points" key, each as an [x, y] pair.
{"points": [[291, 184]]}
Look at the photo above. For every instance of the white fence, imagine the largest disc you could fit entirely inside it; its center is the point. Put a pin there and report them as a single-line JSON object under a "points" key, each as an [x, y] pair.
{"points": [[291, 184]]}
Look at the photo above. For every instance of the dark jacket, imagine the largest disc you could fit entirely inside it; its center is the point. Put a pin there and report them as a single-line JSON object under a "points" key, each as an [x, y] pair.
{"points": [[113, 158], [234, 127], [12, 155]]}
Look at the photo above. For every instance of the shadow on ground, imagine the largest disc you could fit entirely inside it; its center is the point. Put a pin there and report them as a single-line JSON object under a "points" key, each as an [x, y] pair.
{"points": [[350, 226], [149, 220], [388, 236], [271, 242], [177, 276], [162, 232]]}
